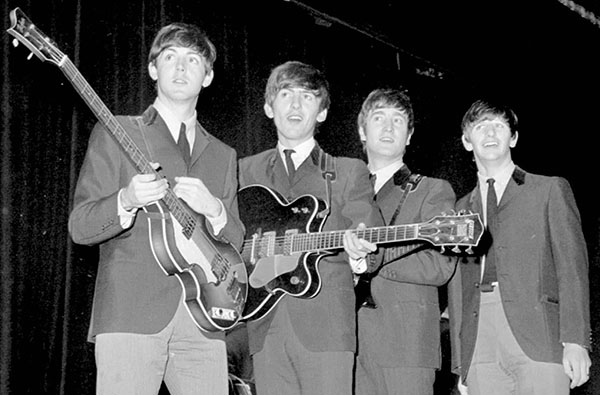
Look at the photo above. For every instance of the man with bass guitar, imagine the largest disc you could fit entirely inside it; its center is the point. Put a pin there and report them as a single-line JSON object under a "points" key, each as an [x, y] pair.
{"points": [[142, 324]]}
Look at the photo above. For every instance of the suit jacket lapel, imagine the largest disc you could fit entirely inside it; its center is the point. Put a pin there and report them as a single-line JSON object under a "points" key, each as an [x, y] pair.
{"points": [[200, 143], [475, 204], [158, 137], [309, 166], [399, 179], [276, 173], [512, 188]]}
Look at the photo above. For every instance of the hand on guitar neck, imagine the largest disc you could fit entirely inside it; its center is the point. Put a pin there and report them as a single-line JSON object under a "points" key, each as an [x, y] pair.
{"points": [[143, 189], [357, 248]]}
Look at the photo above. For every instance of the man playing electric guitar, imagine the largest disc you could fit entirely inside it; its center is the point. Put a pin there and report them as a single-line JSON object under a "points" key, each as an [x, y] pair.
{"points": [[142, 331], [399, 335], [307, 345]]}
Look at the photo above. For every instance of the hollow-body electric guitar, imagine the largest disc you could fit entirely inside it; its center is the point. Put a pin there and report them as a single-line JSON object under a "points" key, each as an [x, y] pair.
{"points": [[212, 273], [284, 243]]}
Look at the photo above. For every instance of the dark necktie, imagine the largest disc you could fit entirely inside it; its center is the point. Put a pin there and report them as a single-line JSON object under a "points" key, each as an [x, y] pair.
{"points": [[489, 273], [289, 163], [184, 145], [373, 180]]}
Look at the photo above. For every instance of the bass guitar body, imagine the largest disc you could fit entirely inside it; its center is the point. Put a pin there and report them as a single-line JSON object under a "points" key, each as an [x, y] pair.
{"points": [[214, 293], [270, 218]]}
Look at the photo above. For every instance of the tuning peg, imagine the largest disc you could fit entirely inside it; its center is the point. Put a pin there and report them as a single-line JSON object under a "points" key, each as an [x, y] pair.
{"points": [[443, 249], [30, 56], [15, 43], [456, 249], [469, 250]]}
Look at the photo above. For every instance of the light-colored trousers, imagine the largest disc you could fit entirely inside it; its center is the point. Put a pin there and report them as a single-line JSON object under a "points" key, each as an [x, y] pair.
{"points": [[500, 366], [187, 359]]}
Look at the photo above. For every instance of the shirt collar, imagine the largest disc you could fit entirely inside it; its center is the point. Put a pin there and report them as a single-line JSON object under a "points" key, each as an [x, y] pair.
{"points": [[302, 151], [174, 124], [501, 179], [384, 174]]}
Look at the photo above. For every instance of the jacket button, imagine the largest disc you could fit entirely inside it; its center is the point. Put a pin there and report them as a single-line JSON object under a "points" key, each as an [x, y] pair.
{"points": [[475, 314], [476, 284]]}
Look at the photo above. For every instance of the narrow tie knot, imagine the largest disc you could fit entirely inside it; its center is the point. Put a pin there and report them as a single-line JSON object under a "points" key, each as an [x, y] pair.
{"points": [[373, 179]]}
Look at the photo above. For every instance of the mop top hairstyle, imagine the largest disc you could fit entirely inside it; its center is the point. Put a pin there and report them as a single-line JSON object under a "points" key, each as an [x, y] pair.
{"points": [[486, 108], [187, 36], [294, 74], [387, 98]]}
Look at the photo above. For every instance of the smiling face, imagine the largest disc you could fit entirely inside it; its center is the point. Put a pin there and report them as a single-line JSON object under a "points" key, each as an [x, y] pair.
{"points": [[385, 134], [180, 73], [490, 139], [295, 112]]}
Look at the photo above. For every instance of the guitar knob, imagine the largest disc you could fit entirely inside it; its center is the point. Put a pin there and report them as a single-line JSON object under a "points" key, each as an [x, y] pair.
{"points": [[294, 280], [469, 250], [456, 249]]}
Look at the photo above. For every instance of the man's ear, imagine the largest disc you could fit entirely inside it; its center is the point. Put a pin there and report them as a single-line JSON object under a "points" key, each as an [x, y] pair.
{"points": [[152, 71], [513, 139], [268, 110], [322, 115], [208, 78], [408, 137], [466, 143], [361, 134]]}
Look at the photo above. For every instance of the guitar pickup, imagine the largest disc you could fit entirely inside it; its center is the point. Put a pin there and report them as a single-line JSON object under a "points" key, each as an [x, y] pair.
{"points": [[223, 313]]}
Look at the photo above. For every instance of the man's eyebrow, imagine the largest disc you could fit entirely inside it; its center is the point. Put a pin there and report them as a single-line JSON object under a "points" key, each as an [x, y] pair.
{"points": [[489, 117], [190, 50], [395, 109]]}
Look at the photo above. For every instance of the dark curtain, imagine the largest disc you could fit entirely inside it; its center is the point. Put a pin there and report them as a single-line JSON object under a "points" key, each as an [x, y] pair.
{"points": [[46, 281]]}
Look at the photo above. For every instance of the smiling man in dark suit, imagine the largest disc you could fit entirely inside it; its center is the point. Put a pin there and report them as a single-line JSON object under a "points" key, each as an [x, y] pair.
{"points": [[520, 313]]}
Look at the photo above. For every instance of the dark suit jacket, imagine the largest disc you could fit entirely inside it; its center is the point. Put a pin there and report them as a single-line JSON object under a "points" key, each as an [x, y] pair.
{"points": [[542, 268], [132, 292], [326, 322], [404, 330]]}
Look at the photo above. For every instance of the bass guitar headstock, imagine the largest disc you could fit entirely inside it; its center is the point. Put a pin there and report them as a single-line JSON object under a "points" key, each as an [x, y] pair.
{"points": [[28, 34]]}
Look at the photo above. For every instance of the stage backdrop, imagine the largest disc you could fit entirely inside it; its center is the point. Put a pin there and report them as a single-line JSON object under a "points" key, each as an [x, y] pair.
{"points": [[47, 282]]}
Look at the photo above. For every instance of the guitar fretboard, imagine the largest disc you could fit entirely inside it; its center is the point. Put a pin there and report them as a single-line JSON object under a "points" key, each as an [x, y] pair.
{"points": [[299, 243]]}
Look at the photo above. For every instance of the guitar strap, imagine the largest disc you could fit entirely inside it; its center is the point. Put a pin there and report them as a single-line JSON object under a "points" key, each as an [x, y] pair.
{"points": [[327, 163], [139, 121], [411, 184]]}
